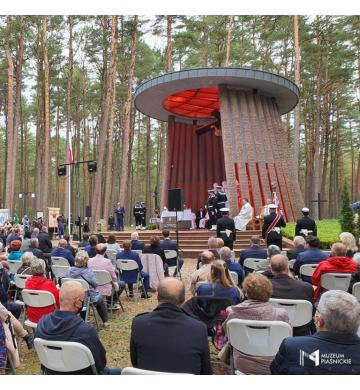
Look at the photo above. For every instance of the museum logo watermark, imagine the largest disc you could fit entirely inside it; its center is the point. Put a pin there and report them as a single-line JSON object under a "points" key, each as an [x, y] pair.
{"points": [[318, 358]]}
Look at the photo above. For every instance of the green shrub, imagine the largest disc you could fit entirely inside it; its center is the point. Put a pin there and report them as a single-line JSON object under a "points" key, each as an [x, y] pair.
{"points": [[328, 231], [153, 226], [347, 216]]}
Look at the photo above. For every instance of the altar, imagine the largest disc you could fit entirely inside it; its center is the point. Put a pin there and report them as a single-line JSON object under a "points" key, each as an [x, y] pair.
{"points": [[184, 218]]}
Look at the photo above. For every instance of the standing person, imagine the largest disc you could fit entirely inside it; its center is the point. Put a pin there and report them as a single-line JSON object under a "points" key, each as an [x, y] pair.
{"points": [[211, 223], [111, 222], [61, 225], [86, 226], [200, 218], [221, 200], [225, 229], [26, 223], [143, 216], [305, 226], [119, 217], [137, 214], [271, 230], [245, 215]]}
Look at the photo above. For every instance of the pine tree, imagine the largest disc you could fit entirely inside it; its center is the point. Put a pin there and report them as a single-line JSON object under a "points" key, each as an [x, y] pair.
{"points": [[347, 216]]}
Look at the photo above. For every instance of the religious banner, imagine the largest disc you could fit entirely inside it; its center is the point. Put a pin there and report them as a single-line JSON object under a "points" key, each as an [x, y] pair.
{"points": [[4, 216], [54, 212]]}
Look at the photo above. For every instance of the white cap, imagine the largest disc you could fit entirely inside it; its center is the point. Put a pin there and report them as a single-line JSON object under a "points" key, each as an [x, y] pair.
{"points": [[224, 210], [272, 206], [305, 210], [219, 187], [210, 191]]}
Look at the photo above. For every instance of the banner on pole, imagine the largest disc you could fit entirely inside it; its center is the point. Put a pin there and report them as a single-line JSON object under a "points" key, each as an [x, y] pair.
{"points": [[4, 216], [54, 212]]}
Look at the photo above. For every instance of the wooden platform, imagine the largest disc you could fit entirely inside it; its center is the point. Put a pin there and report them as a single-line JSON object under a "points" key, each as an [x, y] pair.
{"points": [[192, 242]]}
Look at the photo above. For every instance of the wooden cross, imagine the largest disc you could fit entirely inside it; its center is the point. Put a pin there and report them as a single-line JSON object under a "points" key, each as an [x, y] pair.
{"points": [[318, 201]]}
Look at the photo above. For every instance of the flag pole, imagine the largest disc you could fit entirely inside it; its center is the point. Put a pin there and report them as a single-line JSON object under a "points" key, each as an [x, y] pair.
{"points": [[69, 208]]}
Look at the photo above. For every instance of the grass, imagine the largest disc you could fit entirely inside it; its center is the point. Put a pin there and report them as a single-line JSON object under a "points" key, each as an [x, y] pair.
{"points": [[116, 338], [328, 231]]}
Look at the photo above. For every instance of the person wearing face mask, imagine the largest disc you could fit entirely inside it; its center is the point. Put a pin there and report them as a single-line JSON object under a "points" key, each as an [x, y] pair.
{"points": [[66, 325]]}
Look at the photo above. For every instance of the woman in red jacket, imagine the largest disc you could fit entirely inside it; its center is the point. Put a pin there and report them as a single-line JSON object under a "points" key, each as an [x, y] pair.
{"points": [[39, 282]]}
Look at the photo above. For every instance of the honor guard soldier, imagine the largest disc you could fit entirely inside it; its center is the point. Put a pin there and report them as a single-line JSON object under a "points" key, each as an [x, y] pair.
{"points": [[271, 230], [221, 200], [305, 226], [143, 215], [225, 228], [211, 203], [138, 214]]}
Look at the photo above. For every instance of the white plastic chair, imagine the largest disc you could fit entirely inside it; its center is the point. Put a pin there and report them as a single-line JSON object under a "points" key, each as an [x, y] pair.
{"points": [[335, 281], [14, 265], [307, 270], [59, 271], [103, 278], [171, 254], [111, 254], [299, 310], [57, 260], [138, 371], [64, 356], [256, 338], [235, 277], [125, 265], [356, 290], [291, 264], [90, 303], [256, 264], [20, 281], [138, 251], [38, 299]]}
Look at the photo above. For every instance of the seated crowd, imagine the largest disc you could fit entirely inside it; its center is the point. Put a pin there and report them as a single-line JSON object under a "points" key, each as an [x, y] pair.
{"points": [[222, 289]]}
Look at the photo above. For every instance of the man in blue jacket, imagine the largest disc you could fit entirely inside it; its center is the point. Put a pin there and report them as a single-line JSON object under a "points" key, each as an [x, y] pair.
{"points": [[62, 251], [333, 349], [254, 252], [311, 255], [66, 325], [225, 254]]}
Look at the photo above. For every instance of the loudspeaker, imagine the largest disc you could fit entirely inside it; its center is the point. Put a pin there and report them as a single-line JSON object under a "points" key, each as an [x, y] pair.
{"points": [[88, 211], [174, 199]]}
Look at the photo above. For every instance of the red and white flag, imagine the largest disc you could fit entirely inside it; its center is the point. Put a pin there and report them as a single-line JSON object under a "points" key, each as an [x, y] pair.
{"points": [[70, 158]]}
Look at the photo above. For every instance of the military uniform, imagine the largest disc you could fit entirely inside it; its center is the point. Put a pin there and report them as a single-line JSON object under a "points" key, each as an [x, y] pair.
{"points": [[275, 236], [143, 216], [226, 223], [305, 226], [212, 211], [138, 214], [221, 199]]}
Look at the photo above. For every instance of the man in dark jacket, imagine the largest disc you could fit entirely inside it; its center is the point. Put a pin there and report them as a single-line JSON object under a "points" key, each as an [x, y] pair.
{"points": [[44, 240], [254, 252], [66, 325], [334, 349], [311, 255], [135, 243], [285, 287], [168, 244], [305, 226], [271, 230], [225, 229], [299, 247], [155, 343], [62, 251]]}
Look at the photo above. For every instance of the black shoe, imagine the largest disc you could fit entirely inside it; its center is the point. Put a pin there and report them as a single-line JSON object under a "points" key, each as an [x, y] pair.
{"points": [[148, 295], [29, 340], [131, 294]]}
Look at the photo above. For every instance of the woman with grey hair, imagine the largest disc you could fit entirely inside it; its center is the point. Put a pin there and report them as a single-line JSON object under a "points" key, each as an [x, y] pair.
{"points": [[26, 259], [273, 250], [39, 282], [355, 277], [81, 271]]}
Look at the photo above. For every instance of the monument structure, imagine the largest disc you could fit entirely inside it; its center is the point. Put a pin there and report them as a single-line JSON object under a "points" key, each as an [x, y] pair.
{"points": [[224, 126]]}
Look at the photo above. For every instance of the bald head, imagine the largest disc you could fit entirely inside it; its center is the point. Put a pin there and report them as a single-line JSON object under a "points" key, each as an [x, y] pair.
{"points": [[171, 290], [279, 264], [71, 296], [101, 249], [62, 243], [206, 257]]}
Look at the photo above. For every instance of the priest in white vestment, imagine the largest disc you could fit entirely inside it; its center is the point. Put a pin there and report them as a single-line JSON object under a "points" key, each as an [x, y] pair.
{"points": [[245, 215]]}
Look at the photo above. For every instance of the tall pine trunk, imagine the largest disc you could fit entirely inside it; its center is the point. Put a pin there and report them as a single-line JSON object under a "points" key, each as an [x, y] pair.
{"points": [[297, 82]]}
